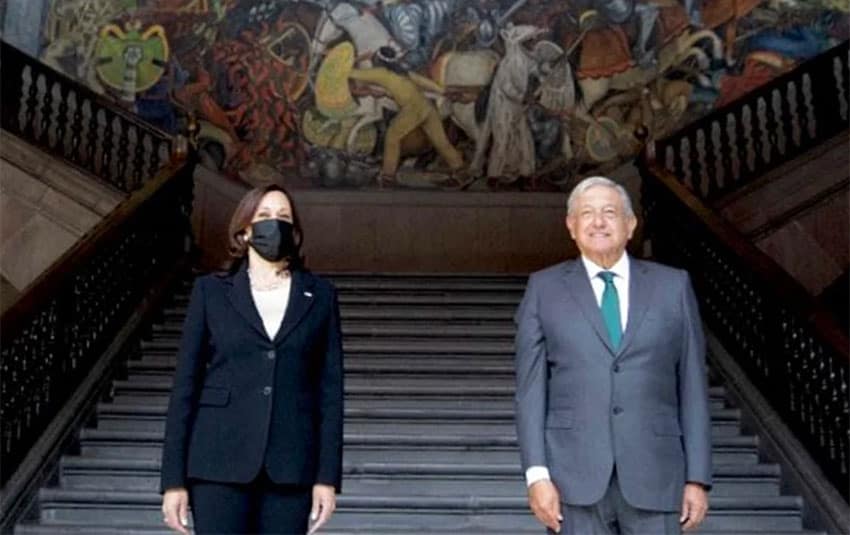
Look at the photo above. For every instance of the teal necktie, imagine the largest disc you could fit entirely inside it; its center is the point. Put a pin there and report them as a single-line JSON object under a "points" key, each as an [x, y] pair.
{"points": [[611, 309]]}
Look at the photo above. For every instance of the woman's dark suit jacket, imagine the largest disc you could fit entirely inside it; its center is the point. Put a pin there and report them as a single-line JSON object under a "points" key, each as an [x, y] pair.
{"points": [[241, 402]]}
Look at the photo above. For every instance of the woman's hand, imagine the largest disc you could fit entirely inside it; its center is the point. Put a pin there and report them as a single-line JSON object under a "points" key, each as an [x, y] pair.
{"points": [[175, 509], [324, 503]]}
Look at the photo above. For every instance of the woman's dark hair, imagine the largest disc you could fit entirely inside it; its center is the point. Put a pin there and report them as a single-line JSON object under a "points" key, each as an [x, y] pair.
{"points": [[241, 218]]}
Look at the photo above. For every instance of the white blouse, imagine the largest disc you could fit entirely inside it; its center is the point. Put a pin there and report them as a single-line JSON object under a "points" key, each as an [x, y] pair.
{"points": [[271, 305]]}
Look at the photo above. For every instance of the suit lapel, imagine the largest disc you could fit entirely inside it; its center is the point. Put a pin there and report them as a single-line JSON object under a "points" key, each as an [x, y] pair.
{"points": [[239, 295], [578, 284], [640, 291], [300, 300]]}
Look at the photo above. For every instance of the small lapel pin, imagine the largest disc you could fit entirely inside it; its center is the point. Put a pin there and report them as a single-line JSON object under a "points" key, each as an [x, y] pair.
{"points": [[308, 294]]}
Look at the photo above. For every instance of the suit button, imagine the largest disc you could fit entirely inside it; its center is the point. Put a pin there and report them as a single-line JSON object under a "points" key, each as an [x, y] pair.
{"points": [[267, 390], [618, 410], [270, 354], [616, 368]]}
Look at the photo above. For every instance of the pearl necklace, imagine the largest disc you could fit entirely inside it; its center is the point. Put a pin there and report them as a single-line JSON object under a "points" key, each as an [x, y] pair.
{"points": [[280, 279]]}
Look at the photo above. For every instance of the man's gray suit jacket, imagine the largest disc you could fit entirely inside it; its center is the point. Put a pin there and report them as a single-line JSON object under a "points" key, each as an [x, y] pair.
{"points": [[583, 407]]}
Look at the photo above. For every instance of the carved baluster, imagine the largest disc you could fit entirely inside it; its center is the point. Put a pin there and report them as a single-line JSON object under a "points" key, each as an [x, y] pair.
{"points": [[46, 111], [107, 142], [839, 73], [733, 147], [685, 172], [123, 155], [670, 159], [720, 163], [809, 107], [748, 139], [779, 122], [138, 158], [794, 119], [62, 121], [764, 146], [704, 186], [92, 160], [155, 157], [28, 131]]}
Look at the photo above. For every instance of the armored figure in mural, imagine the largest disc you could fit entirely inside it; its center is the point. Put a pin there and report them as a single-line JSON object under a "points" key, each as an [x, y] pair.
{"points": [[417, 25]]}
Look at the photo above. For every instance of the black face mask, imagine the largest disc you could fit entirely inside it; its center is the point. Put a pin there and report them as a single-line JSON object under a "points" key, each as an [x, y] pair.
{"points": [[273, 239]]}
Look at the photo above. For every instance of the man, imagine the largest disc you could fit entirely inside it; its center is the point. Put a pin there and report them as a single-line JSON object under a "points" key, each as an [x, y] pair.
{"points": [[611, 400]]}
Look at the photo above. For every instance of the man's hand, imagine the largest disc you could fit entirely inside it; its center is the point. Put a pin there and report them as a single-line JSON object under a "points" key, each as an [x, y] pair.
{"points": [[545, 502], [175, 509], [694, 506], [324, 503]]}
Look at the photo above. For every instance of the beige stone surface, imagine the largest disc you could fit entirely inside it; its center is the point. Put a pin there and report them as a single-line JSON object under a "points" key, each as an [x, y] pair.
{"points": [[31, 250], [16, 181], [813, 248], [68, 213], [27, 193], [793, 184], [45, 207], [803, 258], [14, 215], [829, 225], [58, 175]]}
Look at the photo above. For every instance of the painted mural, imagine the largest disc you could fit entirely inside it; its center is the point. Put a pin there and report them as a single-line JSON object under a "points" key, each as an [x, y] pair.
{"points": [[442, 94]]}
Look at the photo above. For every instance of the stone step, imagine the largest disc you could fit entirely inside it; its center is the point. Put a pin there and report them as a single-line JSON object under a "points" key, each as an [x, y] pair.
{"points": [[498, 454], [460, 427], [147, 405], [372, 282], [483, 368], [378, 478], [411, 510], [400, 329], [725, 422], [392, 447], [415, 284], [401, 347], [386, 385], [450, 383], [419, 313], [420, 388], [417, 298], [367, 411]]}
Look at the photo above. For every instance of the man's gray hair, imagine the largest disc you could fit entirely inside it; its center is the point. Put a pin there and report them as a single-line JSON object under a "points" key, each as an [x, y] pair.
{"points": [[594, 181]]}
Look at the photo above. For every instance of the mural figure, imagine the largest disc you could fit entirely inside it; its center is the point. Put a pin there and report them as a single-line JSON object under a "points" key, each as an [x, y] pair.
{"points": [[133, 61], [71, 32], [360, 25], [512, 151], [417, 25], [728, 13], [415, 111]]}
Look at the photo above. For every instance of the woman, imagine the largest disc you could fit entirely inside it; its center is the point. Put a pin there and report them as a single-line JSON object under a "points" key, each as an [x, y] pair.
{"points": [[253, 437]]}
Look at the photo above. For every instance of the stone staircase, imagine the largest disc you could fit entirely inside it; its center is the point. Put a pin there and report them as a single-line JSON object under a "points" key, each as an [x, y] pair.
{"points": [[429, 434]]}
